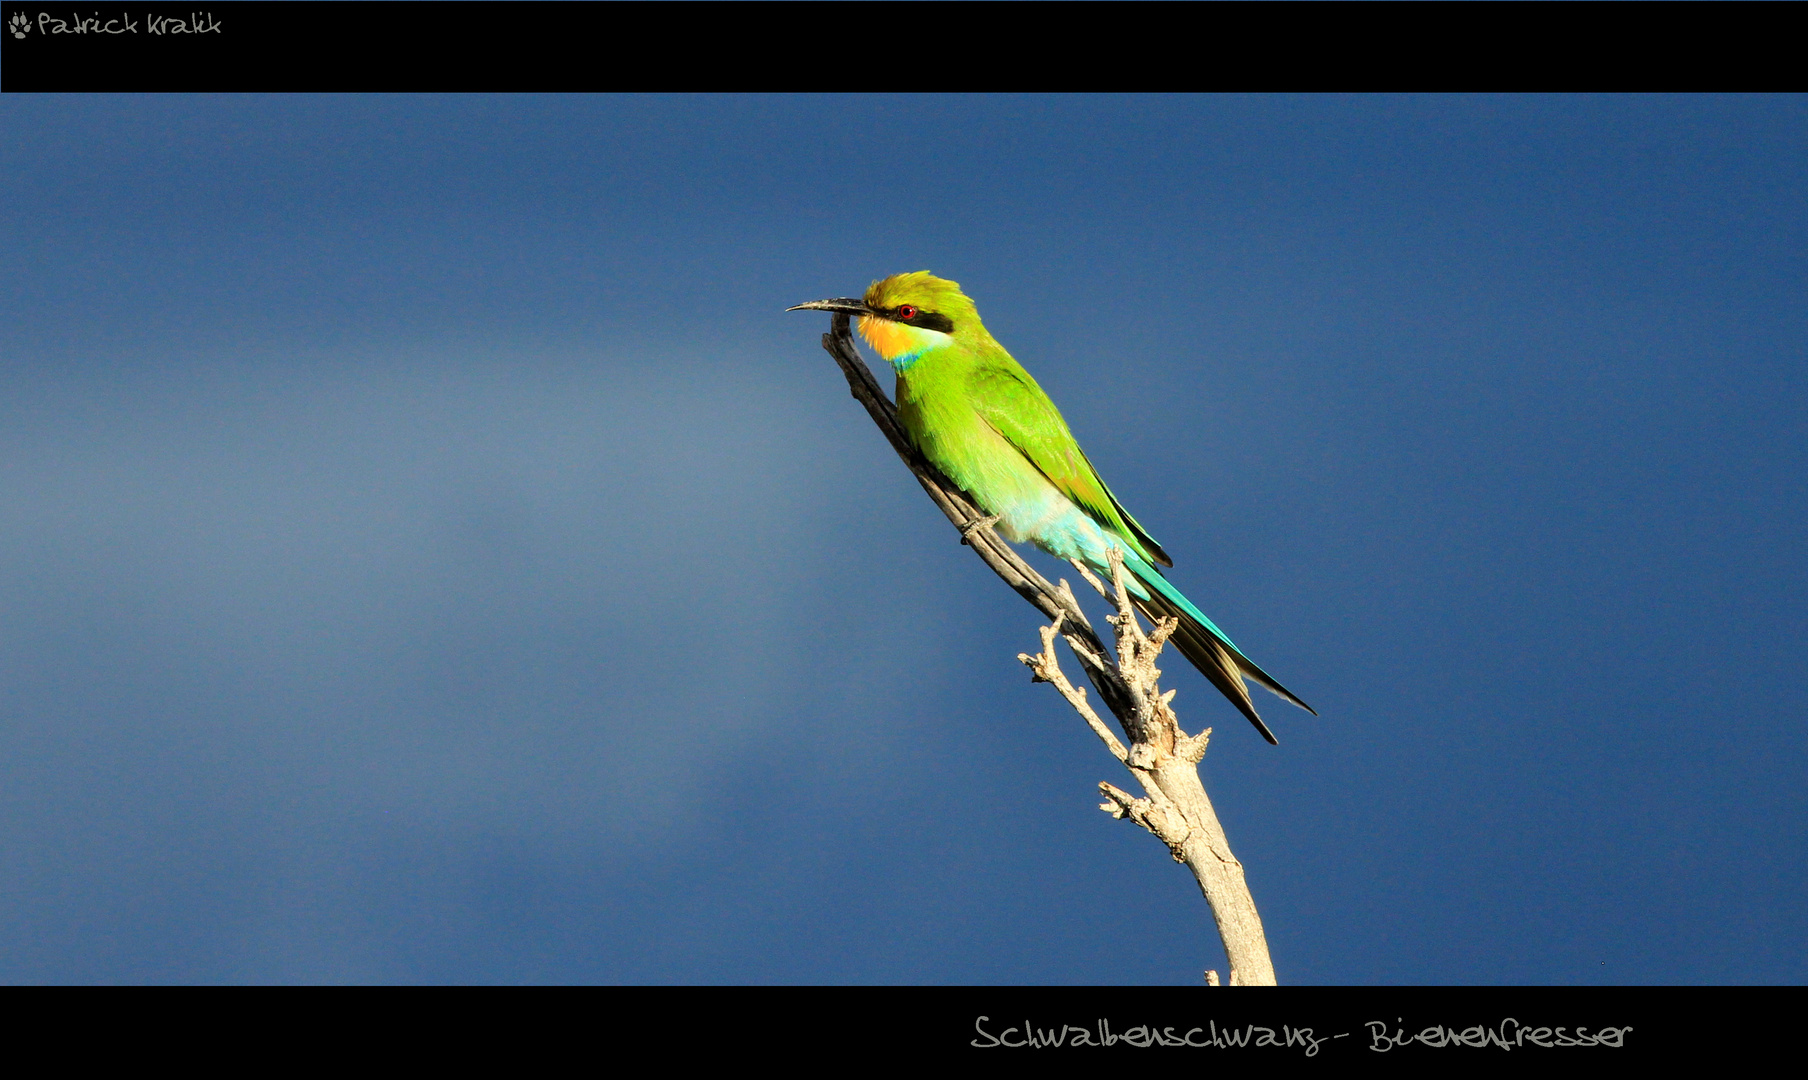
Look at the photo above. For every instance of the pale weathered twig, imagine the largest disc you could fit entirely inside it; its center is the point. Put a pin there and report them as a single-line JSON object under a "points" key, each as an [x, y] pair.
{"points": [[1165, 761], [1046, 667], [1162, 757], [1091, 579]]}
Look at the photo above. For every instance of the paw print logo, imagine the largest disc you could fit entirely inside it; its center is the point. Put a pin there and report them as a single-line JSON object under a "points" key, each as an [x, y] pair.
{"points": [[19, 25]]}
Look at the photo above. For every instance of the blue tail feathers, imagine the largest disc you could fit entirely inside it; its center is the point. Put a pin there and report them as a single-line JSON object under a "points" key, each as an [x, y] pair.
{"points": [[1207, 647], [1153, 578]]}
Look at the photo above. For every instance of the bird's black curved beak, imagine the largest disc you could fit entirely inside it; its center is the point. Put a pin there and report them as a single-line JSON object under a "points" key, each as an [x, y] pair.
{"points": [[846, 305]]}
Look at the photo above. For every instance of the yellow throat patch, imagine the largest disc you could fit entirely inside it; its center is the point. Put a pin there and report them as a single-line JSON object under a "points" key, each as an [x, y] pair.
{"points": [[894, 339]]}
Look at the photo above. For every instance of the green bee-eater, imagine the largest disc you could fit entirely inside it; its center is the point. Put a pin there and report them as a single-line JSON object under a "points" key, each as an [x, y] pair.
{"points": [[978, 417]]}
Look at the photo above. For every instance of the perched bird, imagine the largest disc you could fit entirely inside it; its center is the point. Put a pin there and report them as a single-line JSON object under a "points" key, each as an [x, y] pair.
{"points": [[978, 417]]}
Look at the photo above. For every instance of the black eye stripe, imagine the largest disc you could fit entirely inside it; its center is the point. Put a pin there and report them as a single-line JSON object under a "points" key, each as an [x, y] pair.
{"points": [[928, 320]]}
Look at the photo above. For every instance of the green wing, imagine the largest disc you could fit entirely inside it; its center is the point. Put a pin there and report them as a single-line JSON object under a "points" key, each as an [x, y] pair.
{"points": [[1009, 400]]}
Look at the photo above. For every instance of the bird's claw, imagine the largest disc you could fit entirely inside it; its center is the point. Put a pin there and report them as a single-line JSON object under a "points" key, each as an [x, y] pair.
{"points": [[971, 527]]}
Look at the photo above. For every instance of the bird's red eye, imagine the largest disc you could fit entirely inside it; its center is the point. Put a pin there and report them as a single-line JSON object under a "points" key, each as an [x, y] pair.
{"points": [[905, 311]]}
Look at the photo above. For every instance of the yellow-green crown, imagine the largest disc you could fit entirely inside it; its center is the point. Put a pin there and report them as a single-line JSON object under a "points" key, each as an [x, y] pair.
{"points": [[926, 292]]}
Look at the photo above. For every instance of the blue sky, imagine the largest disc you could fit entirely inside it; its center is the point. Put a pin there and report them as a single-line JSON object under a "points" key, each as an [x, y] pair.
{"points": [[431, 553]]}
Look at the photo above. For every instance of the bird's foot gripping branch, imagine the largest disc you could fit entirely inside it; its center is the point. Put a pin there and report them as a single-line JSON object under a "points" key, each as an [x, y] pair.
{"points": [[1164, 759]]}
